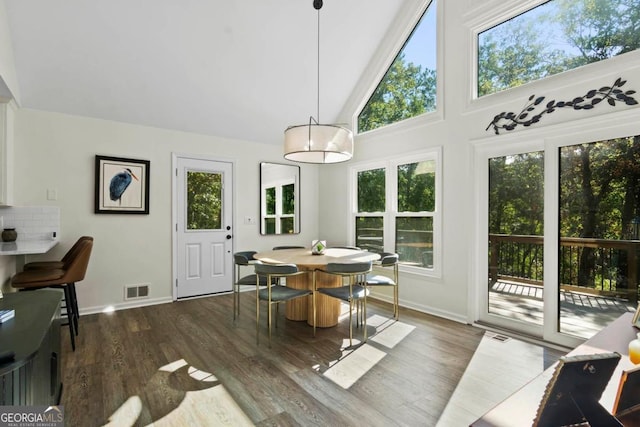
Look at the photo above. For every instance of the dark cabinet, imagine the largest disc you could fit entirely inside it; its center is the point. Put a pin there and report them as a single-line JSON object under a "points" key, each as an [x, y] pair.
{"points": [[33, 377]]}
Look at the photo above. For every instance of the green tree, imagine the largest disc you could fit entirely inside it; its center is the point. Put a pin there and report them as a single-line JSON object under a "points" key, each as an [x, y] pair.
{"points": [[516, 194], [416, 189], [513, 54], [599, 29], [371, 190], [204, 201], [518, 51], [405, 91]]}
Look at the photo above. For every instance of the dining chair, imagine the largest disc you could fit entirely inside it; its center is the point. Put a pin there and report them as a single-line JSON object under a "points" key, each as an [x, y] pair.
{"points": [[355, 289], [243, 259], [65, 278], [388, 261], [277, 248], [278, 292]]}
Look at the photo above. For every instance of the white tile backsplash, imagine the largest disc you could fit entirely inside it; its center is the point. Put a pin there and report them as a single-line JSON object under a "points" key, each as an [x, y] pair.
{"points": [[32, 222]]}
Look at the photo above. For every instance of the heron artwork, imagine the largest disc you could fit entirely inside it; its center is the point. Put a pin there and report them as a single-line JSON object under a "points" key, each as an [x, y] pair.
{"points": [[119, 183]]}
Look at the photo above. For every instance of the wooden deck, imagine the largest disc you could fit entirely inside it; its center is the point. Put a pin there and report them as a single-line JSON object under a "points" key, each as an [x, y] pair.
{"points": [[581, 314]]}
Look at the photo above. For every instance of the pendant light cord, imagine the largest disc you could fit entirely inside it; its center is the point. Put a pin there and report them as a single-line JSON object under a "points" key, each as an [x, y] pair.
{"points": [[318, 70]]}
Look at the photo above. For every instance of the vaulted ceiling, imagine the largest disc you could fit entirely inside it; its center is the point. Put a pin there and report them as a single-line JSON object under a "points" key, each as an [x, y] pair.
{"points": [[242, 69]]}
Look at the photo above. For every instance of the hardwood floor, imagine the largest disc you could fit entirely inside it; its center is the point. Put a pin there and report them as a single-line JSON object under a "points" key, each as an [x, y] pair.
{"points": [[188, 363]]}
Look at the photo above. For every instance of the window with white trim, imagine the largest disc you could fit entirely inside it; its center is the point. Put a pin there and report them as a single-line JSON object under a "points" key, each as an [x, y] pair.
{"points": [[556, 36], [409, 86], [396, 208]]}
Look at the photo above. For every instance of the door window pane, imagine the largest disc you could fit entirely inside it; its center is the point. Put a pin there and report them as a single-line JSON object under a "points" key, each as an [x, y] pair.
{"points": [[417, 187], [516, 213], [204, 201], [414, 240], [599, 218]]}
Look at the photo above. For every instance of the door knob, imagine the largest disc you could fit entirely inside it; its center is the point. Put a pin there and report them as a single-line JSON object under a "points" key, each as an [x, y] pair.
{"points": [[228, 236]]}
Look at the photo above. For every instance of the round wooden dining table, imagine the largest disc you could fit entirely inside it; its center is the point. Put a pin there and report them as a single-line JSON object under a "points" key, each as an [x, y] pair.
{"points": [[327, 308]]}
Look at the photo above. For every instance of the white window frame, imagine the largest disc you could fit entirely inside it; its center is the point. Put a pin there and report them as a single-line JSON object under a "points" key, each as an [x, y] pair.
{"points": [[390, 214]]}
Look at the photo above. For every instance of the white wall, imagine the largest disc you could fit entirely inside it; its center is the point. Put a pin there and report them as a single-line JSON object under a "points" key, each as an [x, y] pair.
{"points": [[459, 127], [56, 151], [8, 79]]}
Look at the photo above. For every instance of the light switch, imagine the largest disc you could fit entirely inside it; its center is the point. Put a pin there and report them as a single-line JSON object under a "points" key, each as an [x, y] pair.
{"points": [[52, 194]]}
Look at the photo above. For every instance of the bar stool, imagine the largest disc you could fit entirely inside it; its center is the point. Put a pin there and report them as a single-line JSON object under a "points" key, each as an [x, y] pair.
{"points": [[61, 278]]}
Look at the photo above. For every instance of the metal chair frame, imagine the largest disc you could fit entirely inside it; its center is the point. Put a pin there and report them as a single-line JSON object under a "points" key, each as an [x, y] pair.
{"points": [[277, 293], [354, 291], [242, 259], [387, 260]]}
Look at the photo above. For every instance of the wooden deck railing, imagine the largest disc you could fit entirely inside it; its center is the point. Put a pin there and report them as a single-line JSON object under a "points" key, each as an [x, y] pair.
{"points": [[606, 267]]}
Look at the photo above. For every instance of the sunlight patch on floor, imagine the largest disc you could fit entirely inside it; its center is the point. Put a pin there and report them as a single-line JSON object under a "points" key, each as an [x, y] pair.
{"points": [[212, 405], [127, 413], [353, 365], [391, 334], [209, 407], [496, 370]]}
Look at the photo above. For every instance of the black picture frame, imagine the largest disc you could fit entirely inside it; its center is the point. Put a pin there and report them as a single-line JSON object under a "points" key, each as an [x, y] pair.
{"points": [[573, 393], [121, 185]]}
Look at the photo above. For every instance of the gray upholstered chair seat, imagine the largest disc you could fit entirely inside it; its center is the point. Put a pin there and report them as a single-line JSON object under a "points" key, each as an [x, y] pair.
{"points": [[282, 293], [343, 292], [379, 280], [250, 280]]}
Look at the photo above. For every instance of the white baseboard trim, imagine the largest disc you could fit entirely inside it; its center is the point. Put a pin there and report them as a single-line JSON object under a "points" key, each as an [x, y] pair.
{"points": [[125, 305], [424, 309], [164, 300]]}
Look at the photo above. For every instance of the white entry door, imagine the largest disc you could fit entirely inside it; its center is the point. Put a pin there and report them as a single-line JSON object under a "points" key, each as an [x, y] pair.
{"points": [[204, 227]]}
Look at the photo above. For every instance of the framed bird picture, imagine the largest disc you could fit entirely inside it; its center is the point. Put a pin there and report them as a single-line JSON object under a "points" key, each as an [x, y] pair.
{"points": [[122, 186]]}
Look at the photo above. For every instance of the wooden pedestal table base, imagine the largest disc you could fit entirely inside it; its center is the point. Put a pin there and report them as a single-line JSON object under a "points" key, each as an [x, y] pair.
{"points": [[327, 308]]}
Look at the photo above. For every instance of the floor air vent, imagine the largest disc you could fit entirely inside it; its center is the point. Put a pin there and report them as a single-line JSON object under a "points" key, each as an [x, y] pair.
{"points": [[499, 337], [136, 291]]}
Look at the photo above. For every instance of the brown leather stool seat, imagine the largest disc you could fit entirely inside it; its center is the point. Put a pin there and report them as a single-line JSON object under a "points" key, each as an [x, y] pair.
{"points": [[33, 278], [38, 265], [74, 270]]}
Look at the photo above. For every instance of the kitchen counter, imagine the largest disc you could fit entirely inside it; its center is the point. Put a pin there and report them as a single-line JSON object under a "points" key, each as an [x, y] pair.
{"points": [[27, 247]]}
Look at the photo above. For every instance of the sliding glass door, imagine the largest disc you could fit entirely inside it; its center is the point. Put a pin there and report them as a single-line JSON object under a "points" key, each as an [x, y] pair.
{"points": [[558, 236]]}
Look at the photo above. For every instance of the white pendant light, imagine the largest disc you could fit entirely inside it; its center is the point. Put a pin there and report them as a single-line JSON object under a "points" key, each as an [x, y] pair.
{"points": [[315, 142]]}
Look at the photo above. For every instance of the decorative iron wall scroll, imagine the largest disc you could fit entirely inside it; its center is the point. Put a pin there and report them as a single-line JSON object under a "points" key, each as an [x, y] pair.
{"points": [[612, 94]]}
